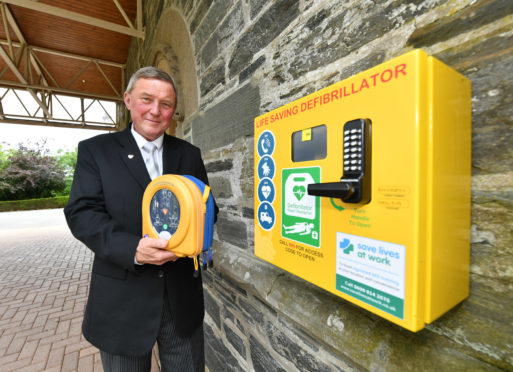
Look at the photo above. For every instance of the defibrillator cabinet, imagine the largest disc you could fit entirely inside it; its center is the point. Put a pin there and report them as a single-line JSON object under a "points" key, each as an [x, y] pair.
{"points": [[363, 188]]}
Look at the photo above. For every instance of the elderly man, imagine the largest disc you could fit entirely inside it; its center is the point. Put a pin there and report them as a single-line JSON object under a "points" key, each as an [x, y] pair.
{"points": [[140, 293]]}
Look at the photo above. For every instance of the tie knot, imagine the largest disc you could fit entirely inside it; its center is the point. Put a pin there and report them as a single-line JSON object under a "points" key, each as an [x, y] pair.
{"points": [[149, 147]]}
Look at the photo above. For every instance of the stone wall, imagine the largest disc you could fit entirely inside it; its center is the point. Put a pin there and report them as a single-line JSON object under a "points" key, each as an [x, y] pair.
{"points": [[252, 56]]}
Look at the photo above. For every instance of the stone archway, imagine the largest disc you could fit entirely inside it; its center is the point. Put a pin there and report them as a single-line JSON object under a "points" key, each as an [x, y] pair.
{"points": [[172, 52]]}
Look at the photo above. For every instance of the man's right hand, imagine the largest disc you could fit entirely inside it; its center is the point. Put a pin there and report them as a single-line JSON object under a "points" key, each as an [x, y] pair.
{"points": [[153, 251]]}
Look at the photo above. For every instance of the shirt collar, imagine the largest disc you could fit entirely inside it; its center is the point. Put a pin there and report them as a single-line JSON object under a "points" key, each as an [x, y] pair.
{"points": [[141, 141]]}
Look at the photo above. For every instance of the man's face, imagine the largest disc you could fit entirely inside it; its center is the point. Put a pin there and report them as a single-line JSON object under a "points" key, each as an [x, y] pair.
{"points": [[152, 104]]}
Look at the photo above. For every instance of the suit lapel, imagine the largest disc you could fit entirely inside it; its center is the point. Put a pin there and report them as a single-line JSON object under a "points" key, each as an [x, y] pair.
{"points": [[132, 158]]}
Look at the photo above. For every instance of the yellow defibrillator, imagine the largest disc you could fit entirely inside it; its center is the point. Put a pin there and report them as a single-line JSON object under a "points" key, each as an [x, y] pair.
{"points": [[180, 209]]}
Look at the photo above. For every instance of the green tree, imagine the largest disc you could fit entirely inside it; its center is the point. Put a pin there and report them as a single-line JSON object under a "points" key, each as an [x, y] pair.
{"points": [[4, 157], [67, 160], [31, 173]]}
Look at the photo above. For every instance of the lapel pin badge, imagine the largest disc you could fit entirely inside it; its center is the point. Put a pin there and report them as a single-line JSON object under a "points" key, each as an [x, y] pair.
{"points": [[130, 156]]}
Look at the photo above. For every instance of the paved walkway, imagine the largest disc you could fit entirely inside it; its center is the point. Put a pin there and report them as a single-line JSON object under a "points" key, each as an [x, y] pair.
{"points": [[44, 278]]}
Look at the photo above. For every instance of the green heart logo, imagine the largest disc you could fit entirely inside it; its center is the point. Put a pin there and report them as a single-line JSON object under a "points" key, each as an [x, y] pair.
{"points": [[299, 191]]}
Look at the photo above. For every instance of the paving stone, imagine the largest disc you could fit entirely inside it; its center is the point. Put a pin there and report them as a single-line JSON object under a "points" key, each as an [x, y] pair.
{"points": [[70, 362], [28, 350], [86, 364], [33, 367], [55, 357]]}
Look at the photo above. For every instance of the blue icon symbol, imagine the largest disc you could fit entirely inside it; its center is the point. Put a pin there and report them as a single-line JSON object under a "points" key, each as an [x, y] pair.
{"points": [[266, 190], [266, 143], [266, 216], [266, 167], [344, 243], [346, 247]]}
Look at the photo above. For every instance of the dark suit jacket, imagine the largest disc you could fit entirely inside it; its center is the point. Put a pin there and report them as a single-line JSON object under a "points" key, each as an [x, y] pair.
{"points": [[125, 301]]}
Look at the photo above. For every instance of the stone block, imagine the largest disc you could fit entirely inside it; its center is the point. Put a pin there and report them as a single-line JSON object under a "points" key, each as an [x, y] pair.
{"points": [[245, 269], [212, 308], [221, 187], [263, 31], [305, 338], [228, 315], [213, 77], [231, 287], [493, 189], [223, 36], [255, 7], [251, 314], [489, 67], [247, 183], [210, 22], [217, 356], [233, 232], [248, 213], [201, 10], [471, 17], [225, 296], [317, 19], [294, 353], [261, 358], [230, 119], [234, 340], [343, 33], [219, 165], [246, 73], [492, 238]]}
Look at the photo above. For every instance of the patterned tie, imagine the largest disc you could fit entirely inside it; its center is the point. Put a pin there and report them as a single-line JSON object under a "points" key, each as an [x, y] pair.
{"points": [[151, 159]]}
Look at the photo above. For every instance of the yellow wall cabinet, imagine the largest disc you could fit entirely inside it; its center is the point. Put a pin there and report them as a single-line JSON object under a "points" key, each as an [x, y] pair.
{"points": [[363, 188]]}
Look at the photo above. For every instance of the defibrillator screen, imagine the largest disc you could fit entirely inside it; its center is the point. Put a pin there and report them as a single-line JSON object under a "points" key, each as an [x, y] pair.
{"points": [[309, 144], [165, 213]]}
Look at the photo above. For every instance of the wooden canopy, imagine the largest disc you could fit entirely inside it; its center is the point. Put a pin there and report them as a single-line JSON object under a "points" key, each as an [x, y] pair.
{"points": [[58, 50]]}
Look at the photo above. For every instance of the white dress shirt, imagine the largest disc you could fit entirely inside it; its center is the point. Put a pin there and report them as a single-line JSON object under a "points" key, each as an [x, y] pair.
{"points": [[141, 141]]}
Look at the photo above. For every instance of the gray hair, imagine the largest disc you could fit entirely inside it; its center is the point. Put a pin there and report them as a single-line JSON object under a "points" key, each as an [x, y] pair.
{"points": [[150, 72]]}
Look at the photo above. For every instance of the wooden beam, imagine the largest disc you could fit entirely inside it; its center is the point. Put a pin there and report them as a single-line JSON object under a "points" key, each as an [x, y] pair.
{"points": [[14, 25], [39, 66], [77, 17], [107, 79], [65, 54], [78, 74], [22, 79], [6, 26], [77, 93], [122, 11]]}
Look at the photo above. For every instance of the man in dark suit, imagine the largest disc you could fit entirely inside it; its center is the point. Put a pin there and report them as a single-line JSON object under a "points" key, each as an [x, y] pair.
{"points": [[139, 291]]}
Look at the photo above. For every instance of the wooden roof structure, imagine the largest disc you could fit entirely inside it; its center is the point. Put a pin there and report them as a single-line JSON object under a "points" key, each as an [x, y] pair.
{"points": [[54, 52]]}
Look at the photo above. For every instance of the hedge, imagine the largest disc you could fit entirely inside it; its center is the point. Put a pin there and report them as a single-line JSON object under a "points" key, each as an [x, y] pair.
{"points": [[23, 205]]}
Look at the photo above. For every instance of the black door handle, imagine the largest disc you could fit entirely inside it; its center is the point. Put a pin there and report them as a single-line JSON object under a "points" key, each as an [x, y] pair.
{"points": [[341, 190]]}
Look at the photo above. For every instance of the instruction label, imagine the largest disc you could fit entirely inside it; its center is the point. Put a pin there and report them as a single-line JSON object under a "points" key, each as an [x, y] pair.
{"points": [[301, 214], [372, 271]]}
